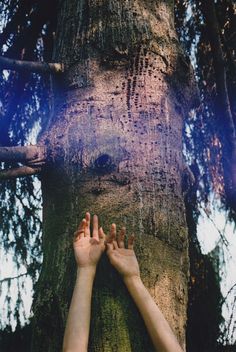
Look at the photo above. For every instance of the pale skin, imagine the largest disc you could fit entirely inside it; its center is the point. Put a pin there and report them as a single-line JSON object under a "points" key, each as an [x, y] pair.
{"points": [[125, 262], [88, 251]]}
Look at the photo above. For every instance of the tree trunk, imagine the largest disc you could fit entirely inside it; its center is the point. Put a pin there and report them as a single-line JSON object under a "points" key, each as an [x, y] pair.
{"points": [[115, 136]]}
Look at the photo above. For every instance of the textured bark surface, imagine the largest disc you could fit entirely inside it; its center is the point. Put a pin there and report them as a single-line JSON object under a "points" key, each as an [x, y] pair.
{"points": [[115, 136]]}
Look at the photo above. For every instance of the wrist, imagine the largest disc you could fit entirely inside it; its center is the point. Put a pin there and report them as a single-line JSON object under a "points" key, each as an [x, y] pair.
{"points": [[132, 280], [86, 270]]}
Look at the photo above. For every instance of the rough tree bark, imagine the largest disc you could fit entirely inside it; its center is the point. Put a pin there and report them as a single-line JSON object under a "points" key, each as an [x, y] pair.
{"points": [[115, 141]]}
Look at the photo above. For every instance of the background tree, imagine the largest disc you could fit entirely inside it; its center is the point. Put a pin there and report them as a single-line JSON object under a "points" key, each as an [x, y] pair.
{"points": [[111, 115], [207, 31]]}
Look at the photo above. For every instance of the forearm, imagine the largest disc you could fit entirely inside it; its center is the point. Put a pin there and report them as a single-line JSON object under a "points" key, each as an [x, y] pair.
{"points": [[157, 326], [78, 321]]}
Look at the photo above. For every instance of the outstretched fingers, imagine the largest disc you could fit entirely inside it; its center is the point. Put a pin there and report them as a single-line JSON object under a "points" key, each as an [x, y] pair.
{"points": [[110, 247], [101, 234], [121, 238], [87, 226], [115, 245], [131, 242], [80, 232], [111, 239], [119, 242], [95, 227], [113, 232], [112, 235]]}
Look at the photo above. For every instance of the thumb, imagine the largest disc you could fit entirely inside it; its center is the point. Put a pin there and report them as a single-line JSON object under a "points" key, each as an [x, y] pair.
{"points": [[109, 247]]}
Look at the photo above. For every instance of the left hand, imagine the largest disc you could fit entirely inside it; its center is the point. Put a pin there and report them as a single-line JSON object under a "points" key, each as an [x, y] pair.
{"points": [[87, 249], [123, 259]]}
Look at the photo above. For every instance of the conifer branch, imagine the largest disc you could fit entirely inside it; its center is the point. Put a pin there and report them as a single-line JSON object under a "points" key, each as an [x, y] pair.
{"points": [[26, 154], [32, 66], [7, 279], [19, 172], [33, 157]]}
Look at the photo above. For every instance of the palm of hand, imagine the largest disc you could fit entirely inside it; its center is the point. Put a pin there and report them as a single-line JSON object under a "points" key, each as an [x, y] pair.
{"points": [[125, 261], [88, 251]]}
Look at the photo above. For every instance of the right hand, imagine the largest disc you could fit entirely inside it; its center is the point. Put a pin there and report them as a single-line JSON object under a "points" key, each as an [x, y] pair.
{"points": [[88, 249], [123, 259]]}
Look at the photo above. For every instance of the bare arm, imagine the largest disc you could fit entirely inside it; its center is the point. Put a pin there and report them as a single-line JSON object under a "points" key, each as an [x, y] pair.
{"points": [[125, 261], [88, 251], [157, 326]]}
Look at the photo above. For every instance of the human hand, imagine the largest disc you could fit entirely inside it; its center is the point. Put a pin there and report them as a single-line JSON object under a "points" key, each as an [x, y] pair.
{"points": [[123, 259], [87, 249]]}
